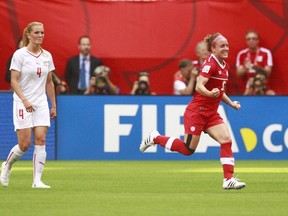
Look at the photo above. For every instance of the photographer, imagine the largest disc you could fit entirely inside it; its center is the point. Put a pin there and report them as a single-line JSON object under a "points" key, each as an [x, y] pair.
{"points": [[100, 82], [143, 88], [257, 85], [142, 85]]}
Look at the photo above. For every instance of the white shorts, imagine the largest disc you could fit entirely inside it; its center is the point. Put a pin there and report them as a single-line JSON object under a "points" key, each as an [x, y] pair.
{"points": [[23, 119]]}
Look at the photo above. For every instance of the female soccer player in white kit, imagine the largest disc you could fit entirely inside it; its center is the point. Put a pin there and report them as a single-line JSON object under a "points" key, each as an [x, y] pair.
{"points": [[31, 78]]}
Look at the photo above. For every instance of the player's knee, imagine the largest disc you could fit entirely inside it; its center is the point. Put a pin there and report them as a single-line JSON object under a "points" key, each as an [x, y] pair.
{"points": [[40, 141], [226, 139], [24, 145]]}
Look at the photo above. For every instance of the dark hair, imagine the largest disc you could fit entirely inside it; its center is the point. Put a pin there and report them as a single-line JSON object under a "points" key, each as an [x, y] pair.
{"points": [[18, 42], [184, 63], [105, 90], [83, 36], [209, 39], [143, 88], [101, 79], [263, 87], [260, 71], [258, 79]]}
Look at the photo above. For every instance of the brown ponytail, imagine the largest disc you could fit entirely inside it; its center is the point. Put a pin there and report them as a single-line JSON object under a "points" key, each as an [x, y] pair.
{"points": [[209, 39]]}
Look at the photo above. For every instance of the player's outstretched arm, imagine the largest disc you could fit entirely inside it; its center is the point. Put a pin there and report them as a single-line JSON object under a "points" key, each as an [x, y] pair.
{"points": [[235, 104]]}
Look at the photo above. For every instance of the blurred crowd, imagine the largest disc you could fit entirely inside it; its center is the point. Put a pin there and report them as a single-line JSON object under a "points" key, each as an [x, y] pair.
{"points": [[85, 74]]}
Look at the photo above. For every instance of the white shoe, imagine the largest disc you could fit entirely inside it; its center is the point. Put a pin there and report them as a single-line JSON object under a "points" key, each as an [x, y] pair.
{"points": [[148, 142], [5, 174], [233, 183], [40, 185]]}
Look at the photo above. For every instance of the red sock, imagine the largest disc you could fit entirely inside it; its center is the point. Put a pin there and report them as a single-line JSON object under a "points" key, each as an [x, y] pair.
{"points": [[173, 144], [227, 160]]}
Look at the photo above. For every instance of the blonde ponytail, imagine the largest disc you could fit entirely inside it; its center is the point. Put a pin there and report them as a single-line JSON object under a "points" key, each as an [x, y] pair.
{"points": [[27, 30]]}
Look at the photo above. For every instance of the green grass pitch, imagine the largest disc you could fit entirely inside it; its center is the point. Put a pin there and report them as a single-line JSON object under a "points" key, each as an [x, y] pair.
{"points": [[146, 188]]}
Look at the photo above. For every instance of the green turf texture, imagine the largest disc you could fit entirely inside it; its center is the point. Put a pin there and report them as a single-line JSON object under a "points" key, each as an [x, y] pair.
{"points": [[146, 188]]}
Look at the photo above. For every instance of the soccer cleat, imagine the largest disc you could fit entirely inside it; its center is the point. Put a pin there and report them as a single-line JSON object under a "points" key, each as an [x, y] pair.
{"points": [[233, 183], [5, 174], [40, 185], [148, 142]]}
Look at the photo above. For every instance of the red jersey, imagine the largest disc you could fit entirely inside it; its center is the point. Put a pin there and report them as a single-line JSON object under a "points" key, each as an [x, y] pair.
{"points": [[196, 63], [262, 57], [217, 74]]}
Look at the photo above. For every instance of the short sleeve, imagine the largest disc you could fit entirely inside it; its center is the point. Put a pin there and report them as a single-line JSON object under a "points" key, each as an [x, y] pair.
{"points": [[51, 66], [207, 70], [178, 86], [16, 61]]}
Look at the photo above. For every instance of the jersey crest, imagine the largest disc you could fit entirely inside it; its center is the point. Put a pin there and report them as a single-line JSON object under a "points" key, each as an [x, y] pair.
{"points": [[206, 68]]}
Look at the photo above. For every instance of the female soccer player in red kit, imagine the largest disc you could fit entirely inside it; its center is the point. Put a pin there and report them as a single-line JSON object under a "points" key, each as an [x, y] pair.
{"points": [[201, 113]]}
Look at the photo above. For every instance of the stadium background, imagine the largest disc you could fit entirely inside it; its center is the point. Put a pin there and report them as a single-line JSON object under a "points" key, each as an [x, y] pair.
{"points": [[152, 36], [148, 35], [111, 128]]}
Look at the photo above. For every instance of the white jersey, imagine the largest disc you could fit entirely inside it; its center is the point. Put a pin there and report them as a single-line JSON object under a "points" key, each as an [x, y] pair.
{"points": [[33, 74], [178, 86]]}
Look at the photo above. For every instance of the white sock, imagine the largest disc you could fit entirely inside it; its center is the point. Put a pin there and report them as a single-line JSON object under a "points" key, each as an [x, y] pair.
{"points": [[39, 159], [14, 155]]}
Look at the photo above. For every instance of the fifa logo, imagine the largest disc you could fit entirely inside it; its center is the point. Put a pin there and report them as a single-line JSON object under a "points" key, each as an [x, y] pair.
{"points": [[247, 139], [251, 140]]}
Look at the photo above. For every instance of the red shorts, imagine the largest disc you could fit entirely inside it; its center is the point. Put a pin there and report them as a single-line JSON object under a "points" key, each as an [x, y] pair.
{"points": [[196, 122]]}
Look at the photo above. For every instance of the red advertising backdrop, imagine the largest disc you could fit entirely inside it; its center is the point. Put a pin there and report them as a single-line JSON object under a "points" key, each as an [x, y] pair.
{"points": [[151, 36]]}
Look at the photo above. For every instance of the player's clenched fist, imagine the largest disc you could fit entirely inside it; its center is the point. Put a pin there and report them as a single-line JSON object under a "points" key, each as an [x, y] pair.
{"points": [[215, 92], [236, 105]]}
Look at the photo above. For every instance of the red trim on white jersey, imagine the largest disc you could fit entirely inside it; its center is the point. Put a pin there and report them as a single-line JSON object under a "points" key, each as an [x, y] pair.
{"points": [[36, 56]]}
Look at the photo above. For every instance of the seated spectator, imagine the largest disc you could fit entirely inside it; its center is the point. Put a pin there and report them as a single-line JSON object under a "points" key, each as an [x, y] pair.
{"points": [[252, 58], [100, 82], [201, 53], [80, 68], [185, 78], [259, 74], [142, 85]]}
